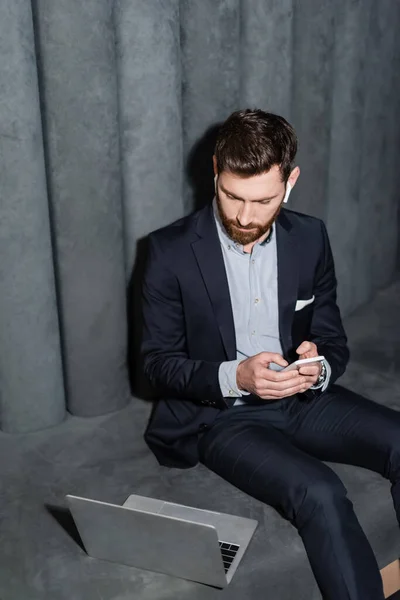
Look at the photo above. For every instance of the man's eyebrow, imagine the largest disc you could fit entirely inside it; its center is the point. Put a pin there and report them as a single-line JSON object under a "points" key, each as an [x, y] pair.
{"points": [[239, 198]]}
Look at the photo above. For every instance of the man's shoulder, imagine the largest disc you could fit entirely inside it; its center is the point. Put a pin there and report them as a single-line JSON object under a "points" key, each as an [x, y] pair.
{"points": [[301, 221], [310, 232], [182, 229]]}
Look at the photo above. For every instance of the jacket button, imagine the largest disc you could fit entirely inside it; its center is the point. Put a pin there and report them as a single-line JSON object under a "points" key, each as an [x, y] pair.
{"points": [[203, 427]]}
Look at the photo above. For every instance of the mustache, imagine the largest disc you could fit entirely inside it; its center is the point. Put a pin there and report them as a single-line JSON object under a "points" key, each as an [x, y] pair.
{"points": [[245, 228]]}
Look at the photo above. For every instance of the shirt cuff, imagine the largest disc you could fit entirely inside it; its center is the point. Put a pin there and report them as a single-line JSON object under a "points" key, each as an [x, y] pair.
{"points": [[322, 386], [227, 379]]}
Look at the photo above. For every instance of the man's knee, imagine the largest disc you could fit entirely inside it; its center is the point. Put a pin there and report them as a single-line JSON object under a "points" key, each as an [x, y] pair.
{"points": [[324, 495]]}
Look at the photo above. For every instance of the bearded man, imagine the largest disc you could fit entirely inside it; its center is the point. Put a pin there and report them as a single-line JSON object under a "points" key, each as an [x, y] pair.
{"points": [[232, 294]]}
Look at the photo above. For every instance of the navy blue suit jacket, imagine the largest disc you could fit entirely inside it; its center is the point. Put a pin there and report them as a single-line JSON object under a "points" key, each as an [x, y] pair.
{"points": [[188, 321]]}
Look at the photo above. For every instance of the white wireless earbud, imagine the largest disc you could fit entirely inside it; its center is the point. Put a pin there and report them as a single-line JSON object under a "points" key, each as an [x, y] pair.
{"points": [[288, 190]]}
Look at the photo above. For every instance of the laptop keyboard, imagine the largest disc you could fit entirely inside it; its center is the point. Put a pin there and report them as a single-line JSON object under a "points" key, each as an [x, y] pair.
{"points": [[228, 552]]}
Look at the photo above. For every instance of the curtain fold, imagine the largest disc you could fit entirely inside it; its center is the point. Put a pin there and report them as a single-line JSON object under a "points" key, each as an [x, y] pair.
{"points": [[80, 114], [31, 380], [149, 90], [374, 259], [348, 100], [313, 74], [210, 57], [267, 56], [108, 117]]}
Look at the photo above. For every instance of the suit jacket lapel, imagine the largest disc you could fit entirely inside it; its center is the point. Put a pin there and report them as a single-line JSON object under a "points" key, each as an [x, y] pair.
{"points": [[207, 251], [288, 278]]}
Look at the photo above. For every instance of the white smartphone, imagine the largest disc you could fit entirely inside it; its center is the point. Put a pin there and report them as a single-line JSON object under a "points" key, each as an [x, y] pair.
{"points": [[303, 361]]}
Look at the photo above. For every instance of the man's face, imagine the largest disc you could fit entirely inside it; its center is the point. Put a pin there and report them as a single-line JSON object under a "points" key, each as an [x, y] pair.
{"points": [[249, 205]]}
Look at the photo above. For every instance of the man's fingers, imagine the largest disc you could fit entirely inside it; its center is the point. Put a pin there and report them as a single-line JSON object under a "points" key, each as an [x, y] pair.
{"points": [[307, 350], [271, 375], [270, 394], [304, 347], [310, 370], [268, 357], [282, 385]]}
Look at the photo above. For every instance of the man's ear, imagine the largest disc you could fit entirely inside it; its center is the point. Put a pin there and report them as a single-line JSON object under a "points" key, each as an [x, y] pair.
{"points": [[215, 165], [291, 182], [293, 177]]}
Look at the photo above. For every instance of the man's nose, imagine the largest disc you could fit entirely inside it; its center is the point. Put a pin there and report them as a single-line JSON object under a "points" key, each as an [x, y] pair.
{"points": [[245, 214]]}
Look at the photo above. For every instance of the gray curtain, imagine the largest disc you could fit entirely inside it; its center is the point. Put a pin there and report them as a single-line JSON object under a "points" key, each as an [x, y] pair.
{"points": [[108, 114]]}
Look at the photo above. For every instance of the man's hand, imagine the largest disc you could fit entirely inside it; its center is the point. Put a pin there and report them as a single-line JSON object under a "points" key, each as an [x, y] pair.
{"points": [[254, 376], [312, 371]]}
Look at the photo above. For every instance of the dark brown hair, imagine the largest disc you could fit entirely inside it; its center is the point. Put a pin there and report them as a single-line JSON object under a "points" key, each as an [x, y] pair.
{"points": [[250, 142]]}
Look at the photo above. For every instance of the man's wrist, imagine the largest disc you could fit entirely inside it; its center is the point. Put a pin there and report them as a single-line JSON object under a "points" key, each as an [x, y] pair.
{"points": [[322, 375], [227, 375], [323, 379], [238, 369]]}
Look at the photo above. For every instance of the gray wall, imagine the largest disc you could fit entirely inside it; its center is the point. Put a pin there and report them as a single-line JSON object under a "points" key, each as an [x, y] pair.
{"points": [[103, 110]]}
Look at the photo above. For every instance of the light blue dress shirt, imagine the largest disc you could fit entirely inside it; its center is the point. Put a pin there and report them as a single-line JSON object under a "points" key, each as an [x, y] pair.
{"points": [[253, 286]]}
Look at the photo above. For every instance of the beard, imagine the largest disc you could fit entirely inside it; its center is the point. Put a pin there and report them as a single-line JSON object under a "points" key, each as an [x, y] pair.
{"points": [[244, 235]]}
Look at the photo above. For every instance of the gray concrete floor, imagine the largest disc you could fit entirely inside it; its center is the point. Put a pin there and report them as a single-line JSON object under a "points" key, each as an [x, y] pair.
{"points": [[106, 458]]}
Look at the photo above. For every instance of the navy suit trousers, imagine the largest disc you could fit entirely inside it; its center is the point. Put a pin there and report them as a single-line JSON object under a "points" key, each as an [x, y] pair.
{"points": [[274, 452]]}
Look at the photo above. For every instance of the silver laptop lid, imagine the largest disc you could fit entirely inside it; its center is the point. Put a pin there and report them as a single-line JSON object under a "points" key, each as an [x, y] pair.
{"points": [[147, 540], [234, 532]]}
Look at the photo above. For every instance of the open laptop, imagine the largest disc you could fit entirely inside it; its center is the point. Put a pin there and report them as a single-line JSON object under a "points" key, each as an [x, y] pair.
{"points": [[195, 544]]}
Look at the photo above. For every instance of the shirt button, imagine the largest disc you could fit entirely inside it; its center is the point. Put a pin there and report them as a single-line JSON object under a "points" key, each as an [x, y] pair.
{"points": [[253, 332], [229, 247], [230, 392], [257, 300], [253, 261]]}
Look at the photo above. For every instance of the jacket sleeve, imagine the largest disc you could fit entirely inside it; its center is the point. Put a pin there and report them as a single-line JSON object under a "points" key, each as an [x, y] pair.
{"points": [[164, 349], [326, 327]]}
